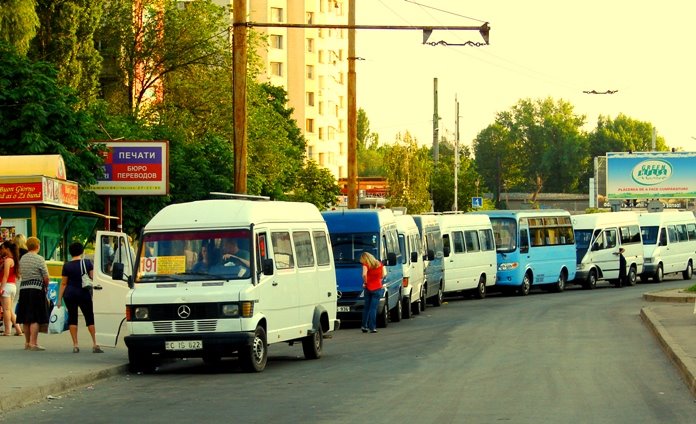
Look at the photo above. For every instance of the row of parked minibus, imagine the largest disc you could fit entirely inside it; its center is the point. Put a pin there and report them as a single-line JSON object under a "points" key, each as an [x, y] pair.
{"points": [[229, 277]]}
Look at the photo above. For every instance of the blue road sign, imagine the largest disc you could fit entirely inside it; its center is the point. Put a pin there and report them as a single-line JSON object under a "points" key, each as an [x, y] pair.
{"points": [[477, 202]]}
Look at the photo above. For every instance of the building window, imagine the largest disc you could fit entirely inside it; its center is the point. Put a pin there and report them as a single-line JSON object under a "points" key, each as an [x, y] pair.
{"points": [[276, 14], [322, 161], [321, 133], [332, 133], [310, 45], [276, 41], [310, 152], [310, 17], [321, 108], [310, 98], [277, 69], [309, 125], [310, 72], [340, 126], [321, 56]]}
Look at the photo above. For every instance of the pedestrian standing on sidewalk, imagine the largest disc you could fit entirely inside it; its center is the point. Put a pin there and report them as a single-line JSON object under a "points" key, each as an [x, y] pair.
{"points": [[75, 296], [21, 243], [8, 286], [372, 273], [32, 309]]}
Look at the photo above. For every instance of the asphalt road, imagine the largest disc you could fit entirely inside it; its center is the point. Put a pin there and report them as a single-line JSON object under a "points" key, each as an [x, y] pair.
{"points": [[574, 357]]}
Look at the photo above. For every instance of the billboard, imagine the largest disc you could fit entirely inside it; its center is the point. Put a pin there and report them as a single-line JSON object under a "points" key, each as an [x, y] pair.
{"points": [[38, 190], [134, 168], [651, 175]]}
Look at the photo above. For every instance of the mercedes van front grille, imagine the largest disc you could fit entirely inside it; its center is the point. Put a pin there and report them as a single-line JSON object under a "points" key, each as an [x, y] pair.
{"points": [[185, 326]]}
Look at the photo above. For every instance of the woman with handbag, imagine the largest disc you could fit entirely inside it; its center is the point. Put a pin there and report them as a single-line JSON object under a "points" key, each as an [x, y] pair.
{"points": [[31, 308], [77, 294]]}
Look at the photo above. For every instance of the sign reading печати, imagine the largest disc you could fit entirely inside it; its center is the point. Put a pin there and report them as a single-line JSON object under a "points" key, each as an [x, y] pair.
{"points": [[134, 168], [651, 175]]}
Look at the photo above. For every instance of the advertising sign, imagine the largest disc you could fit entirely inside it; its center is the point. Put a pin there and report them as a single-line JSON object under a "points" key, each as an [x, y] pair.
{"points": [[651, 175], [38, 190], [134, 168]]}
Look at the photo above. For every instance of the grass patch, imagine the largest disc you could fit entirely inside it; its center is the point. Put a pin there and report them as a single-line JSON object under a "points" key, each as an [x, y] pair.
{"points": [[692, 289]]}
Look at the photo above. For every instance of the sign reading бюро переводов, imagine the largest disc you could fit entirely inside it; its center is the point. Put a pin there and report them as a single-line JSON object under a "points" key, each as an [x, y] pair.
{"points": [[650, 175]]}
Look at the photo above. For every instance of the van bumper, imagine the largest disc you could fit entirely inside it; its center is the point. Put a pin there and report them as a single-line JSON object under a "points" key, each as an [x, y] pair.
{"points": [[336, 324], [649, 269], [220, 344]]}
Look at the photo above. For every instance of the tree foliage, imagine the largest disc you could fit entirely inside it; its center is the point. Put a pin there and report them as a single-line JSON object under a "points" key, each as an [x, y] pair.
{"points": [[469, 182], [407, 167], [315, 185], [18, 23], [370, 154]]}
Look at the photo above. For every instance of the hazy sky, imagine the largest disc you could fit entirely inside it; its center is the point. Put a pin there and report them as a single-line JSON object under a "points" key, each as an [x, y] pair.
{"points": [[538, 49]]}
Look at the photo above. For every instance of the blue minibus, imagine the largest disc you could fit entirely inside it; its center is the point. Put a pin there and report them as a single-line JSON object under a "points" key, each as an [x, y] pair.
{"points": [[535, 248], [352, 232]]}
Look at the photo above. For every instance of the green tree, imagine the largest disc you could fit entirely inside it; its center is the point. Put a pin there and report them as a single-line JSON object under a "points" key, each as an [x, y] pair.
{"points": [[66, 39], [623, 134], [469, 182], [370, 154], [408, 171], [316, 185], [18, 23], [39, 116], [495, 160]]}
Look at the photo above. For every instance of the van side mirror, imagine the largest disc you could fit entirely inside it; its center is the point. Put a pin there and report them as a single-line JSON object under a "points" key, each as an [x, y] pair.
{"points": [[595, 246], [391, 259], [446, 251], [414, 256], [431, 255], [267, 267], [117, 271]]}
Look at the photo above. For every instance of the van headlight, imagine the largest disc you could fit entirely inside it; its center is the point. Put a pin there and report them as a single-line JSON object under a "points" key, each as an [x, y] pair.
{"points": [[230, 310], [141, 313], [507, 266]]}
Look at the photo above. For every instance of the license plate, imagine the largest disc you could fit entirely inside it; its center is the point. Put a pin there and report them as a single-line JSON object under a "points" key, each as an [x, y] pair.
{"points": [[343, 309], [184, 345]]}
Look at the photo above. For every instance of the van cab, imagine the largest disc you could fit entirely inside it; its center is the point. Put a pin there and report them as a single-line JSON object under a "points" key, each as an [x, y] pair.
{"points": [[352, 232], [433, 259], [215, 277], [469, 250], [669, 244], [598, 238], [413, 291]]}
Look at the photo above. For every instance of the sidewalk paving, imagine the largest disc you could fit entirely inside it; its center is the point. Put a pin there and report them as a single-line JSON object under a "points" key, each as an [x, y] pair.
{"points": [[28, 377]]}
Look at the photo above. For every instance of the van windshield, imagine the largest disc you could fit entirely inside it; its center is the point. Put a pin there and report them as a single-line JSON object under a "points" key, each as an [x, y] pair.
{"points": [[649, 234], [347, 248], [194, 256]]}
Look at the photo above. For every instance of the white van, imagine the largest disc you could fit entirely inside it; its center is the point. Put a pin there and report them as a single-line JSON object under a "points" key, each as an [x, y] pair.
{"points": [[412, 263], [598, 238], [217, 277], [669, 244], [469, 249]]}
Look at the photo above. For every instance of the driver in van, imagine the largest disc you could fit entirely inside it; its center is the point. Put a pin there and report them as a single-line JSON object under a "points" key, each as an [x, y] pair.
{"points": [[232, 254]]}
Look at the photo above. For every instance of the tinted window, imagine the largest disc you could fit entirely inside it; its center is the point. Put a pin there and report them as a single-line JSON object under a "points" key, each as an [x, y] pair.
{"points": [[472, 241], [303, 247], [681, 232], [322, 248], [691, 230], [458, 242], [672, 233], [282, 250], [486, 240], [649, 234]]}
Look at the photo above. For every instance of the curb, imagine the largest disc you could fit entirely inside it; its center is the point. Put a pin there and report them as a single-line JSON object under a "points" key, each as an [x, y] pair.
{"points": [[32, 395], [670, 347], [674, 297]]}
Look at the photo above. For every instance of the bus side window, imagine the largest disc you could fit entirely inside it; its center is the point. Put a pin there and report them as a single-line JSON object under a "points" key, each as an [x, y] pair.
{"points": [[524, 241]]}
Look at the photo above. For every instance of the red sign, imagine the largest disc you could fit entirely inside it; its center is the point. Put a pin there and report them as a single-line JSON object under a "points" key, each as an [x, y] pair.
{"points": [[21, 193]]}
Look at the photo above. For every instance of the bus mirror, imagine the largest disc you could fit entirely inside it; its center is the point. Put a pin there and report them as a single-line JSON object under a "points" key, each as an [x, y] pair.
{"points": [[391, 259], [268, 266], [117, 271], [414, 256]]}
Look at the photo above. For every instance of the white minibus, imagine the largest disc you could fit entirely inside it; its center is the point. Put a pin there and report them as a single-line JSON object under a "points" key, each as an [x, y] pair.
{"points": [[669, 244], [412, 263], [598, 238], [469, 249]]}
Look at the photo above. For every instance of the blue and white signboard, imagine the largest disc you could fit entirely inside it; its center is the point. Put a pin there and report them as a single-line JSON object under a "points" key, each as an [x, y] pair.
{"points": [[477, 202], [651, 175]]}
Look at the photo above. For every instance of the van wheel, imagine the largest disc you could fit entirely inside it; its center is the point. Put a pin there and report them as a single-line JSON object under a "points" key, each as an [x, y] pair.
{"points": [[526, 285], [406, 308], [313, 344], [397, 311], [417, 307], [632, 276], [688, 272], [383, 317], [659, 274], [437, 300], [481, 288], [423, 300], [560, 284], [253, 358], [141, 362], [591, 282]]}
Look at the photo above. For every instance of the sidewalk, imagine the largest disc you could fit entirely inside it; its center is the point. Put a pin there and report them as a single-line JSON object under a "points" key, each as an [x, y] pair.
{"points": [[27, 377], [671, 319]]}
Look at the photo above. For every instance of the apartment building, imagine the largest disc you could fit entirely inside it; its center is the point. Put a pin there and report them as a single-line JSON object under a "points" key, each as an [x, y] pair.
{"points": [[312, 65]]}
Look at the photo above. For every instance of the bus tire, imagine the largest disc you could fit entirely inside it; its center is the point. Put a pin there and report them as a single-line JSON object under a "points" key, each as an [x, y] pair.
{"points": [[526, 285], [253, 358], [481, 288], [688, 272], [591, 282], [659, 274], [632, 276], [560, 284]]}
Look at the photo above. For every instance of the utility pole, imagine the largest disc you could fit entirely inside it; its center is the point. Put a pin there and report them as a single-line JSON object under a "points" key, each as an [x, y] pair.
{"points": [[456, 154], [352, 113], [239, 65], [436, 129]]}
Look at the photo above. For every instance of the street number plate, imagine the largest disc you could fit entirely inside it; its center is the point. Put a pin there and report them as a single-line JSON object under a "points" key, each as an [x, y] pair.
{"points": [[184, 345]]}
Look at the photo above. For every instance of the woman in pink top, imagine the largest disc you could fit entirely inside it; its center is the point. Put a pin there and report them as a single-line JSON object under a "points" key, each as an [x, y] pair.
{"points": [[8, 288], [372, 273]]}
